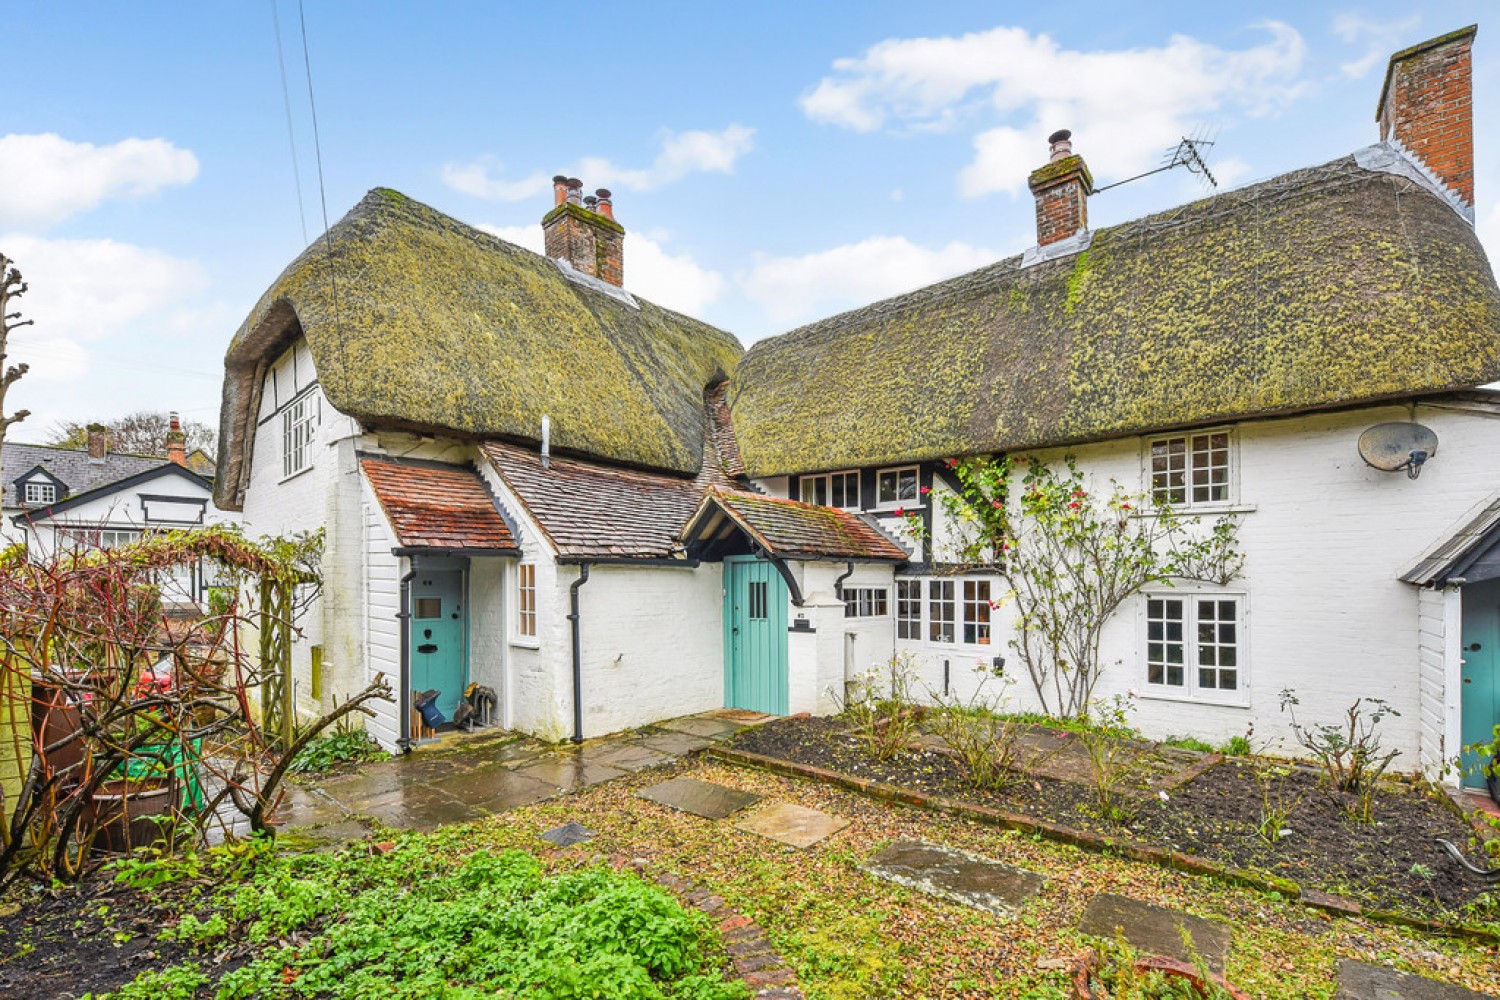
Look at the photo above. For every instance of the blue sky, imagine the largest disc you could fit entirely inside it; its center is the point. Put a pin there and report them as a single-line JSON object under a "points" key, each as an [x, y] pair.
{"points": [[773, 163]]}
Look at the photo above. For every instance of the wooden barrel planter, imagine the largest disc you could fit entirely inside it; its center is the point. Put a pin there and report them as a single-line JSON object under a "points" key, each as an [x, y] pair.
{"points": [[1086, 967], [121, 809], [57, 722]]}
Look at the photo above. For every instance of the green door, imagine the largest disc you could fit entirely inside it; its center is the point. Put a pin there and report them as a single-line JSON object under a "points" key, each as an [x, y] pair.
{"points": [[1481, 641], [438, 647], [755, 602]]}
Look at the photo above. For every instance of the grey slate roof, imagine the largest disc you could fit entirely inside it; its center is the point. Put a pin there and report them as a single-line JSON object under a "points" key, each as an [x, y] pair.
{"points": [[1452, 557], [71, 465]]}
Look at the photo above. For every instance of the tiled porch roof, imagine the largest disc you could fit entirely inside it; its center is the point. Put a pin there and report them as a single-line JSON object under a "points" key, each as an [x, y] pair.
{"points": [[790, 529], [592, 511], [438, 507]]}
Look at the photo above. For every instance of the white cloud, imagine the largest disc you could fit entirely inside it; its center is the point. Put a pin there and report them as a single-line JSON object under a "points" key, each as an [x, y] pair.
{"points": [[681, 154], [672, 280], [1125, 106], [799, 288], [45, 178], [88, 291], [1380, 38]]}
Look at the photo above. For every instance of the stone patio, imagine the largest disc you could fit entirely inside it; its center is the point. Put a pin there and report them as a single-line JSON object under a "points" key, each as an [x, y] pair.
{"points": [[1156, 930], [791, 824], [957, 876], [463, 779], [1362, 981]]}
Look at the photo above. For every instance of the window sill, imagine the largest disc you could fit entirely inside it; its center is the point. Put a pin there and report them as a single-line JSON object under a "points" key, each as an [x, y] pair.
{"points": [[300, 472], [1203, 510], [526, 643], [891, 508], [1158, 694]]}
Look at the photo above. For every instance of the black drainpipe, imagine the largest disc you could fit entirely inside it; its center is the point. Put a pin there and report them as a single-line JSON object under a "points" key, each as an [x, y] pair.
{"points": [[404, 681], [583, 577], [838, 584]]}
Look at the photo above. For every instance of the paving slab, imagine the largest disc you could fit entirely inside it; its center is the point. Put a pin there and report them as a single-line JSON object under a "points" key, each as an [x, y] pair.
{"points": [[792, 824], [495, 789], [700, 798], [625, 756], [569, 771], [675, 744], [957, 876], [420, 809], [1363, 981], [1155, 929], [697, 725], [568, 834]]}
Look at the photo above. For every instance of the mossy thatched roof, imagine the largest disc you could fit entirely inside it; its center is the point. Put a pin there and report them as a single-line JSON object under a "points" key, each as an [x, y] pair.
{"points": [[417, 320], [1321, 288]]}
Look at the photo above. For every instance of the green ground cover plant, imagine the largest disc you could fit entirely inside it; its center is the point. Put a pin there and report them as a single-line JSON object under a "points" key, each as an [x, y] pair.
{"points": [[419, 921]]}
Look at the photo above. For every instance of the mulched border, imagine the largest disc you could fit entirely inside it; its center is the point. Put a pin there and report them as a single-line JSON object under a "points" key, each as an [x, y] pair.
{"points": [[755, 962], [1136, 851]]}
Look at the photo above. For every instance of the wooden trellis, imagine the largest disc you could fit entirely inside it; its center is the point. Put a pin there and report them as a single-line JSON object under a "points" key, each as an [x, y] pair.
{"points": [[278, 713]]}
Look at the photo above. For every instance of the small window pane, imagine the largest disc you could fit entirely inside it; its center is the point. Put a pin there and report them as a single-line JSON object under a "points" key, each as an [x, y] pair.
{"points": [[429, 607], [758, 600], [940, 611]]}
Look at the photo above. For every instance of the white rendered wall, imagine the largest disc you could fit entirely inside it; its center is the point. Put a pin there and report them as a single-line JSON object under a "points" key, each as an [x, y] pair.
{"points": [[126, 510], [652, 644]]}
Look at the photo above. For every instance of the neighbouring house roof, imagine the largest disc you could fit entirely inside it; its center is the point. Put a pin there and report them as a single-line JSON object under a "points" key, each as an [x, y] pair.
{"points": [[70, 466], [589, 510], [790, 529], [1320, 288], [439, 507], [416, 320]]}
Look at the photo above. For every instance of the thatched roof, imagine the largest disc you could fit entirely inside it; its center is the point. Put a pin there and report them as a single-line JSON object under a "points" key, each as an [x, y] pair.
{"points": [[1320, 288], [416, 320]]}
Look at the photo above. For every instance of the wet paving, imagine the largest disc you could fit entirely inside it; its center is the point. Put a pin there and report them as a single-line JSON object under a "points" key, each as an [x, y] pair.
{"points": [[485, 774]]}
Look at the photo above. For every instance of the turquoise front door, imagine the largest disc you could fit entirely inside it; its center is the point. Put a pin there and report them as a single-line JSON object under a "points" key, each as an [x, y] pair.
{"points": [[438, 644], [755, 623], [1480, 693]]}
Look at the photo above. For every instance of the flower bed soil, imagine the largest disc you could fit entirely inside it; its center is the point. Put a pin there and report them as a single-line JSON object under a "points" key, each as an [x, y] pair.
{"points": [[1391, 864]]}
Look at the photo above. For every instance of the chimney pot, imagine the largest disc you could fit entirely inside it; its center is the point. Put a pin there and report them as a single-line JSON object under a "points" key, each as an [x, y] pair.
{"points": [[606, 205], [559, 189], [176, 441], [1061, 144], [588, 242], [1062, 190], [590, 202], [575, 190]]}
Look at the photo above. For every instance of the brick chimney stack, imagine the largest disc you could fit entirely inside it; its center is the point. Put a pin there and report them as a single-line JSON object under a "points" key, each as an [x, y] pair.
{"points": [[1426, 106], [583, 231], [1062, 190], [176, 442], [98, 443]]}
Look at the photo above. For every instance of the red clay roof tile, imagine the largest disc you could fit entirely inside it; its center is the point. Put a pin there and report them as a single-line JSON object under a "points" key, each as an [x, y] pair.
{"points": [[438, 507]]}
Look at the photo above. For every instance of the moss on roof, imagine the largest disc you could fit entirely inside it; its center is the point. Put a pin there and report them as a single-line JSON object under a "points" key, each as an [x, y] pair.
{"points": [[417, 320], [1320, 288]]}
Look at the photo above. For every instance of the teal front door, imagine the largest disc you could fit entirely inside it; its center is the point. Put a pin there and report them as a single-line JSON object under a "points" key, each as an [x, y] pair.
{"points": [[438, 644], [755, 613], [1481, 642]]}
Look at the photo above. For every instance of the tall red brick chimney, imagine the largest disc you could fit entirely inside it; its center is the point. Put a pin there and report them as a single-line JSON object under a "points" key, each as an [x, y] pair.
{"points": [[176, 442], [98, 439], [1062, 190], [583, 231], [1426, 105]]}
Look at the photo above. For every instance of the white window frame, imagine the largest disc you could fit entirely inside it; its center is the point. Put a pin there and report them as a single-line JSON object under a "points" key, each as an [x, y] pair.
{"points": [[1192, 642], [826, 478], [908, 625], [972, 603], [867, 602], [899, 502], [935, 598], [527, 616], [1190, 470], [35, 492], [76, 538], [299, 431]]}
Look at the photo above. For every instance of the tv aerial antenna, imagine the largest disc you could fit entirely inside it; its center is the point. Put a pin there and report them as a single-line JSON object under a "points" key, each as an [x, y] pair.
{"points": [[1189, 153]]}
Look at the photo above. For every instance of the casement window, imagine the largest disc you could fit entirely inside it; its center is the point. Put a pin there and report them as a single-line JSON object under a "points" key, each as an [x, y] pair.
{"points": [[894, 487], [81, 539], [1195, 644], [1192, 469], [865, 602], [977, 612], [526, 600], [299, 425], [833, 489], [42, 493], [908, 609], [940, 611]]}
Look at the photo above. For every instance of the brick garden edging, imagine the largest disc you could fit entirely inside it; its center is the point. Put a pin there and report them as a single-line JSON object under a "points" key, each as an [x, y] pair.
{"points": [[1098, 843], [750, 952]]}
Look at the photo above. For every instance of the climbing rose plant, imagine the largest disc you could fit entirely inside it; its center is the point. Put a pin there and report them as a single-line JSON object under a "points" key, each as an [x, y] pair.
{"points": [[1071, 557]]}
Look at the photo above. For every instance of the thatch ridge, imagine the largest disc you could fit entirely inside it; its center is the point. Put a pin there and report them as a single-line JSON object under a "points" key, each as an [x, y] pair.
{"points": [[417, 320], [1323, 287]]}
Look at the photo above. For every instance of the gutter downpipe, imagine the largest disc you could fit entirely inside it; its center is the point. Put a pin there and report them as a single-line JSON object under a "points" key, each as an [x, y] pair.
{"points": [[403, 700], [573, 619], [838, 584]]}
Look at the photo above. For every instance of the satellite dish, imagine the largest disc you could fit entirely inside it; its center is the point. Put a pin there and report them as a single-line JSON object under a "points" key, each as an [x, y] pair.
{"points": [[1396, 446]]}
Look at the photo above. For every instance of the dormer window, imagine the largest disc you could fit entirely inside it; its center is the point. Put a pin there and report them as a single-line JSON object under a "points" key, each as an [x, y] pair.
{"points": [[41, 493]]}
